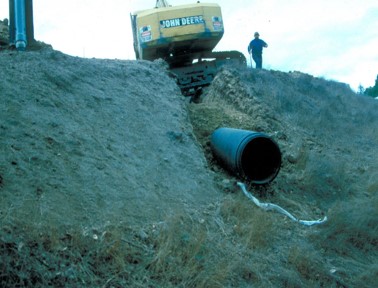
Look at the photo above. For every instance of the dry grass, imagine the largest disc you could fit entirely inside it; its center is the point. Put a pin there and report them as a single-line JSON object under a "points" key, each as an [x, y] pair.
{"points": [[234, 244], [252, 225], [35, 257], [307, 263], [350, 239], [357, 236], [186, 256]]}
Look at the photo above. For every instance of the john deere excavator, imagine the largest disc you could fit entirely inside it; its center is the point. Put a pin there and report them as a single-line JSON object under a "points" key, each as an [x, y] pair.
{"points": [[184, 36]]}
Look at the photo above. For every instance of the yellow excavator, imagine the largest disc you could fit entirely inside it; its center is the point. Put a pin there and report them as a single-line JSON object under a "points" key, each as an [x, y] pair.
{"points": [[184, 36]]}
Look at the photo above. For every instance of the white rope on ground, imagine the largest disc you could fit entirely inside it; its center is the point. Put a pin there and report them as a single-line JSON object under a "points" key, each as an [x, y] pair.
{"points": [[270, 206]]}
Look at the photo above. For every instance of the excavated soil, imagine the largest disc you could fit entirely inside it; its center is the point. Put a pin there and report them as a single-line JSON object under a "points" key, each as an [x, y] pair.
{"points": [[107, 178], [95, 140]]}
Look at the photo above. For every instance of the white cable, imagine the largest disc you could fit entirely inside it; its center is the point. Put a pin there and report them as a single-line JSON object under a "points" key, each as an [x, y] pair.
{"points": [[270, 206]]}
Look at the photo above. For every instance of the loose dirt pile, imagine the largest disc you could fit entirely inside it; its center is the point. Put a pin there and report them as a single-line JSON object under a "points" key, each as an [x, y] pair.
{"points": [[107, 178], [95, 140]]}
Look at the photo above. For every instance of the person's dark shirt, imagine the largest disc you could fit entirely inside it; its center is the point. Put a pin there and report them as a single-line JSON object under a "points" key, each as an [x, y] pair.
{"points": [[256, 46]]}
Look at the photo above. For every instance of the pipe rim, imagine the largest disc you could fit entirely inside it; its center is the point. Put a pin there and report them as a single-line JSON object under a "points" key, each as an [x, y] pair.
{"points": [[258, 158]]}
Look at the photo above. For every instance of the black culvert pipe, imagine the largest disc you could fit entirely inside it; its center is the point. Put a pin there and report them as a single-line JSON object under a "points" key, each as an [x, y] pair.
{"points": [[249, 154]]}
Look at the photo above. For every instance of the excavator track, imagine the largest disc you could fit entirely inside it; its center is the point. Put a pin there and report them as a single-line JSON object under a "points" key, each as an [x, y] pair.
{"points": [[203, 69]]}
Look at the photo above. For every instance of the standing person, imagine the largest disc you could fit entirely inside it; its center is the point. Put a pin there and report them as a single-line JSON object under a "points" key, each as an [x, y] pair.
{"points": [[256, 48]]}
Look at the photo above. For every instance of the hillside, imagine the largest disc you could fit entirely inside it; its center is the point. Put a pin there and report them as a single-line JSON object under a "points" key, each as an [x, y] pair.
{"points": [[107, 178]]}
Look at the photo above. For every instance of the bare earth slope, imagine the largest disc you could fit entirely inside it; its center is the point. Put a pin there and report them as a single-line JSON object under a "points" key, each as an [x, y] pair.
{"points": [[107, 178], [85, 141]]}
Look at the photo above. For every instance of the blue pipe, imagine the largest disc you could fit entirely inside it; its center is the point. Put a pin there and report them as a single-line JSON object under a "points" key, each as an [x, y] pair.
{"points": [[20, 21]]}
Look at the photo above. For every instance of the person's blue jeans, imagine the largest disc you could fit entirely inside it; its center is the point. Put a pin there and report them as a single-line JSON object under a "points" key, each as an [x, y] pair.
{"points": [[258, 60]]}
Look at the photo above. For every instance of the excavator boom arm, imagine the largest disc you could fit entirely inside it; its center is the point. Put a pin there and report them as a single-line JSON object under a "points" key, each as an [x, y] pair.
{"points": [[161, 3]]}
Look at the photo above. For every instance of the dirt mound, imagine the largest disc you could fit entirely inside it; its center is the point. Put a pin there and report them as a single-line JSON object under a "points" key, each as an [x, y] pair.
{"points": [[95, 141], [328, 135], [107, 178]]}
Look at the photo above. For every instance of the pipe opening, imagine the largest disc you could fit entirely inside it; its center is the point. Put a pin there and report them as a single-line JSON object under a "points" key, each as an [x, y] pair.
{"points": [[261, 160]]}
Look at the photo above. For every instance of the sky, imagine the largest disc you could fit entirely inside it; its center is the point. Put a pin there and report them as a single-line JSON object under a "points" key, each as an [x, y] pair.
{"points": [[336, 40]]}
